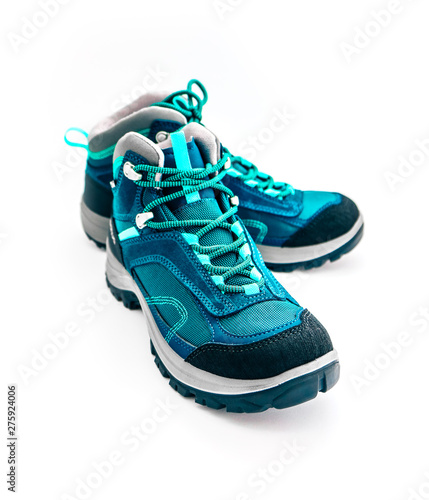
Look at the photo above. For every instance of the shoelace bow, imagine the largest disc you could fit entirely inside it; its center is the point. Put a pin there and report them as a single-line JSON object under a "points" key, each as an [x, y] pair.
{"points": [[187, 102], [192, 181], [190, 104]]}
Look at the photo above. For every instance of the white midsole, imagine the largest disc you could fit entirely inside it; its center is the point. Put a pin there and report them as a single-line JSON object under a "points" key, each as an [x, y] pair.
{"points": [[194, 377], [94, 225], [289, 255]]}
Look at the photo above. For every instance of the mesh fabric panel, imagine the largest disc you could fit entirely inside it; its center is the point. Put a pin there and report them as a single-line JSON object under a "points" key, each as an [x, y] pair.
{"points": [[208, 208], [174, 303], [261, 317], [314, 201]]}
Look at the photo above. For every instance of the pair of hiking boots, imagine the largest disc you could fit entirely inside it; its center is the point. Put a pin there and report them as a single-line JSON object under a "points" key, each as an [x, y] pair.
{"points": [[191, 233]]}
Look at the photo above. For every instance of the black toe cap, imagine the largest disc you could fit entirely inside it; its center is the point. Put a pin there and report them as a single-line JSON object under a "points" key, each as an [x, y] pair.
{"points": [[333, 222], [294, 347]]}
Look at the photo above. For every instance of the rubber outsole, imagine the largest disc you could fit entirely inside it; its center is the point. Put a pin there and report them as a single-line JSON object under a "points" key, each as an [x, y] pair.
{"points": [[290, 393], [333, 256], [98, 243], [95, 226], [129, 299]]}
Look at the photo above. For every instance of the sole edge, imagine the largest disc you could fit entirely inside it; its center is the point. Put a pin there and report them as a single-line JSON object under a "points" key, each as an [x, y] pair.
{"points": [[95, 226], [318, 262], [291, 393]]}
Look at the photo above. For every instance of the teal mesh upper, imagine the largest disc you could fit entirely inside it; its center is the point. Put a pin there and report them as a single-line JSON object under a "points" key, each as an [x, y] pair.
{"points": [[260, 317], [315, 200], [208, 208], [174, 303]]}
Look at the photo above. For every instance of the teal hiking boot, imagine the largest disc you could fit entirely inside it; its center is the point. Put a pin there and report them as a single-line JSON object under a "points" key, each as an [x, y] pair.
{"points": [[222, 329]]}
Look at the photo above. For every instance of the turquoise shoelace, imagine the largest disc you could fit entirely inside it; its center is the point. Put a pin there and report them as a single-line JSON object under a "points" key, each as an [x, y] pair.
{"points": [[263, 182], [187, 102], [192, 181], [190, 104]]}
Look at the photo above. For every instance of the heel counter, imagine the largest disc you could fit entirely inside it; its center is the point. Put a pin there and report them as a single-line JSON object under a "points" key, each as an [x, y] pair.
{"points": [[97, 196]]}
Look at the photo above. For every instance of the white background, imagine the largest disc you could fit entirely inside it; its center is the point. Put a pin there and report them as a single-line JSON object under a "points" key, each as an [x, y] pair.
{"points": [[353, 120]]}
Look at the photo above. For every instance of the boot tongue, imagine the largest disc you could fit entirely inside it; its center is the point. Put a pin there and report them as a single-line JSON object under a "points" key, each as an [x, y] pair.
{"points": [[201, 205], [194, 154], [188, 156]]}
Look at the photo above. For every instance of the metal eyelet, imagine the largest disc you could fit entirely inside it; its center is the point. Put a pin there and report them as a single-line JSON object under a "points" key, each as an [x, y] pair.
{"points": [[130, 173], [162, 136], [142, 218], [234, 201]]}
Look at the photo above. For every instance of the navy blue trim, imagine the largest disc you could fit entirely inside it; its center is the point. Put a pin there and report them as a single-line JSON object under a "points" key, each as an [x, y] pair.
{"points": [[330, 223], [265, 358]]}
